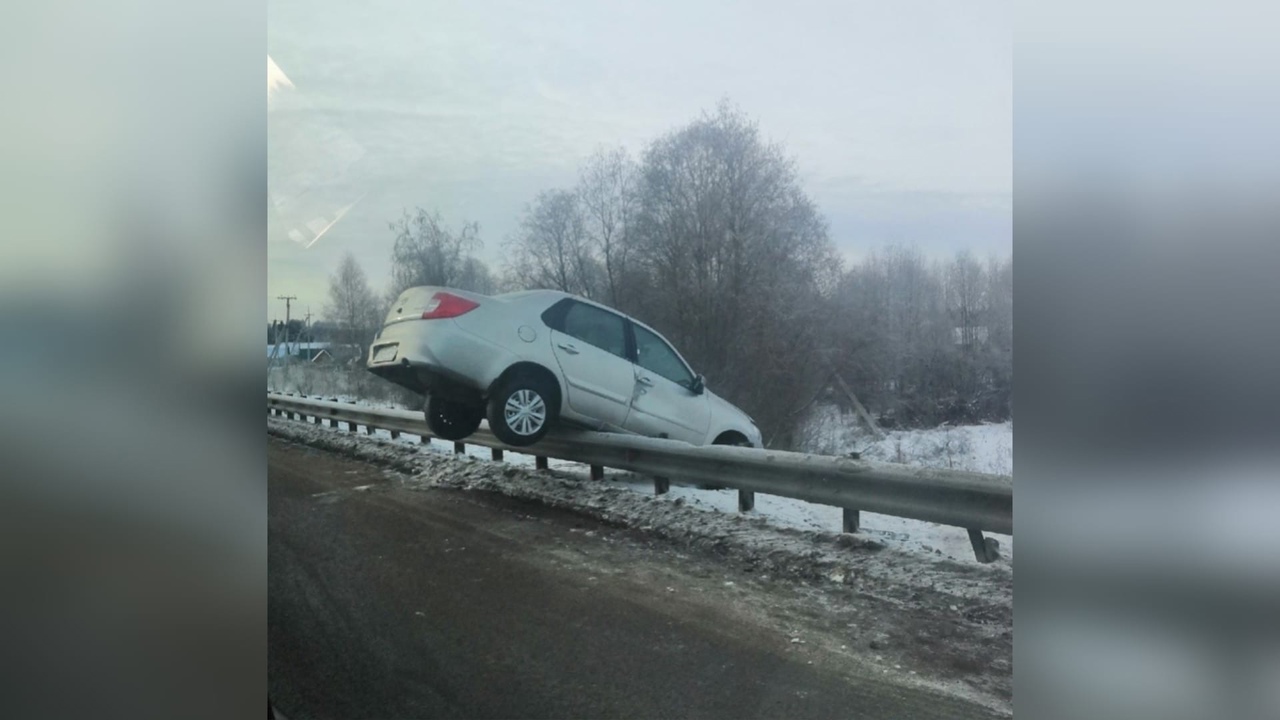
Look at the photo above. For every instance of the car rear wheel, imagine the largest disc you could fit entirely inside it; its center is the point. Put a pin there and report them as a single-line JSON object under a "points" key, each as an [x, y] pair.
{"points": [[450, 419], [522, 410]]}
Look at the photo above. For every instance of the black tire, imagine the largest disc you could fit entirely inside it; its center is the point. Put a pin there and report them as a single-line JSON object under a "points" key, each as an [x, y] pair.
{"points": [[522, 409], [733, 442], [450, 419]]}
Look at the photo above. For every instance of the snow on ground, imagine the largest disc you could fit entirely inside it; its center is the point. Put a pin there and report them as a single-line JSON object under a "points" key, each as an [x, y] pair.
{"points": [[981, 448], [755, 539], [940, 605], [986, 448]]}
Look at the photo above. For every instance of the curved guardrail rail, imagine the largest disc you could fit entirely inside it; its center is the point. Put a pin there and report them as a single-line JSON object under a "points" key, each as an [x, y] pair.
{"points": [[973, 501]]}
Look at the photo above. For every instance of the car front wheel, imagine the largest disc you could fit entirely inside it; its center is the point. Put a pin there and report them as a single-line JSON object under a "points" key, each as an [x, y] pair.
{"points": [[452, 420], [522, 410], [731, 440]]}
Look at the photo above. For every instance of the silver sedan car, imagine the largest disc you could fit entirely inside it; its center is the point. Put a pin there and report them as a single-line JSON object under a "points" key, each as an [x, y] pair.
{"points": [[528, 360]]}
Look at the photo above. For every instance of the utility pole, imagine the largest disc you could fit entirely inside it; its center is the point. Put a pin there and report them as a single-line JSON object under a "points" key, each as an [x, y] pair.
{"points": [[288, 303], [307, 328]]}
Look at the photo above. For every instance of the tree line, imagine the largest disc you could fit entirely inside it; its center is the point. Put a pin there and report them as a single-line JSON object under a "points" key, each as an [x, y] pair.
{"points": [[709, 237]]}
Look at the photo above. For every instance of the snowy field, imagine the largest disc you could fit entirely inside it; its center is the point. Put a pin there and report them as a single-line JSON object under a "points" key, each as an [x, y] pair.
{"points": [[976, 448], [981, 448]]}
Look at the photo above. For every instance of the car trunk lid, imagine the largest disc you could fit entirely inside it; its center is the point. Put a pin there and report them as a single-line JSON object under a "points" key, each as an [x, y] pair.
{"points": [[412, 303]]}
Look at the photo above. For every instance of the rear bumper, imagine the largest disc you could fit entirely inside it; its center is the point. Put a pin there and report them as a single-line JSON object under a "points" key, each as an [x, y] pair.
{"points": [[429, 380], [436, 357]]}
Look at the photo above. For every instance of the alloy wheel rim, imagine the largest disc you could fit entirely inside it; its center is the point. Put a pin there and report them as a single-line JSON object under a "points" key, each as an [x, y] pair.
{"points": [[525, 412]]}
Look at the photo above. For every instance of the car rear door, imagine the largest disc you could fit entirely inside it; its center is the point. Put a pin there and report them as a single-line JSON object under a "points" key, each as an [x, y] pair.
{"points": [[663, 401], [590, 344]]}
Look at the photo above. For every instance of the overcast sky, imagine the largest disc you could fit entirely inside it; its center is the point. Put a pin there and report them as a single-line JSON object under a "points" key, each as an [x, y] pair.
{"points": [[899, 114]]}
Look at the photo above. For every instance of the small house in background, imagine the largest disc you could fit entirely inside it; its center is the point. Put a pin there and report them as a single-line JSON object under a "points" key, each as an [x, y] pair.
{"points": [[317, 352]]}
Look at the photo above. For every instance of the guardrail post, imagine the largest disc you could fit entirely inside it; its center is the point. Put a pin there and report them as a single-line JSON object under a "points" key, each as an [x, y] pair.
{"points": [[597, 472], [368, 429], [395, 434], [424, 439], [746, 500], [316, 419], [497, 454], [352, 427], [540, 462], [661, 485], [459, 448], [984, 548], [851, 520]]}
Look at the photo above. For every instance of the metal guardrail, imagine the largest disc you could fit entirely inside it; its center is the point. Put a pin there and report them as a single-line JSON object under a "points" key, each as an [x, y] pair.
{"points": [[973, 501]]}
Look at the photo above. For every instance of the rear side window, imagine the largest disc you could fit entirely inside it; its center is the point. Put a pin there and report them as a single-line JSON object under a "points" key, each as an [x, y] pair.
{"points": [[655, 355], [597, 327]]}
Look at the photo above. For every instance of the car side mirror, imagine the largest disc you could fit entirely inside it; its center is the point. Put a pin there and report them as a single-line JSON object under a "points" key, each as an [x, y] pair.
{"points": [[698, 386]]}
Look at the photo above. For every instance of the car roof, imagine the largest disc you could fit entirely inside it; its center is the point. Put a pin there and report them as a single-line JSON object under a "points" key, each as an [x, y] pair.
{"points": [[521, 294], [557, 295]]}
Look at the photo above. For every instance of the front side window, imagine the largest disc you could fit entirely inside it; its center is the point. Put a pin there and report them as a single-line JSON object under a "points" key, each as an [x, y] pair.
{"points": [[598, 327], [655, 355]]}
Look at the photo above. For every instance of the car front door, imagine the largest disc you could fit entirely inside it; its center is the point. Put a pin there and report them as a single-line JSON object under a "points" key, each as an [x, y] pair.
{"points": [[590, 344], [664, 401]]}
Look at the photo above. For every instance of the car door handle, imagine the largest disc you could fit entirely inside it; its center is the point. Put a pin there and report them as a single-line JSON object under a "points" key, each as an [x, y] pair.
{"points": [[644, 380], [569, 348]]}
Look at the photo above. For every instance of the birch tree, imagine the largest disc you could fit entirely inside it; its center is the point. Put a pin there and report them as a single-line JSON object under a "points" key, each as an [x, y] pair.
{"points": [[352, 307]]}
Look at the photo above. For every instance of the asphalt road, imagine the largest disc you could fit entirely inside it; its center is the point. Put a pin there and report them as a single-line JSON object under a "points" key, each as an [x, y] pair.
{"points": [[388, 602]]}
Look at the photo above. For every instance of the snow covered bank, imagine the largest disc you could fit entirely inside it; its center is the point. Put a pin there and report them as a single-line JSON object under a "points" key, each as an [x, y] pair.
{"points": [[976, 448], [985, 448], [687, 516]]}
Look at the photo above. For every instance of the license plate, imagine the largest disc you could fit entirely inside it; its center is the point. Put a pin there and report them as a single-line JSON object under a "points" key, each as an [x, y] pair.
{"points": [[385, 353]]}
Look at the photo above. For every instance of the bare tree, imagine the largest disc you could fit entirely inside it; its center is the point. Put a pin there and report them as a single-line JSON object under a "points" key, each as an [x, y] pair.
{"points": [[1000, 302], [1000, 336], [352, 308], [926, 343], [552, 249], [967, 287], [711, 239], [740, 261], [428, 252], [607, 192]]}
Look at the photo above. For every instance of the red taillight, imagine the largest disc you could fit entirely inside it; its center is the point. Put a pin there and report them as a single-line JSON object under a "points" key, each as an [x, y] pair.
{"points": [[445, 305]]}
